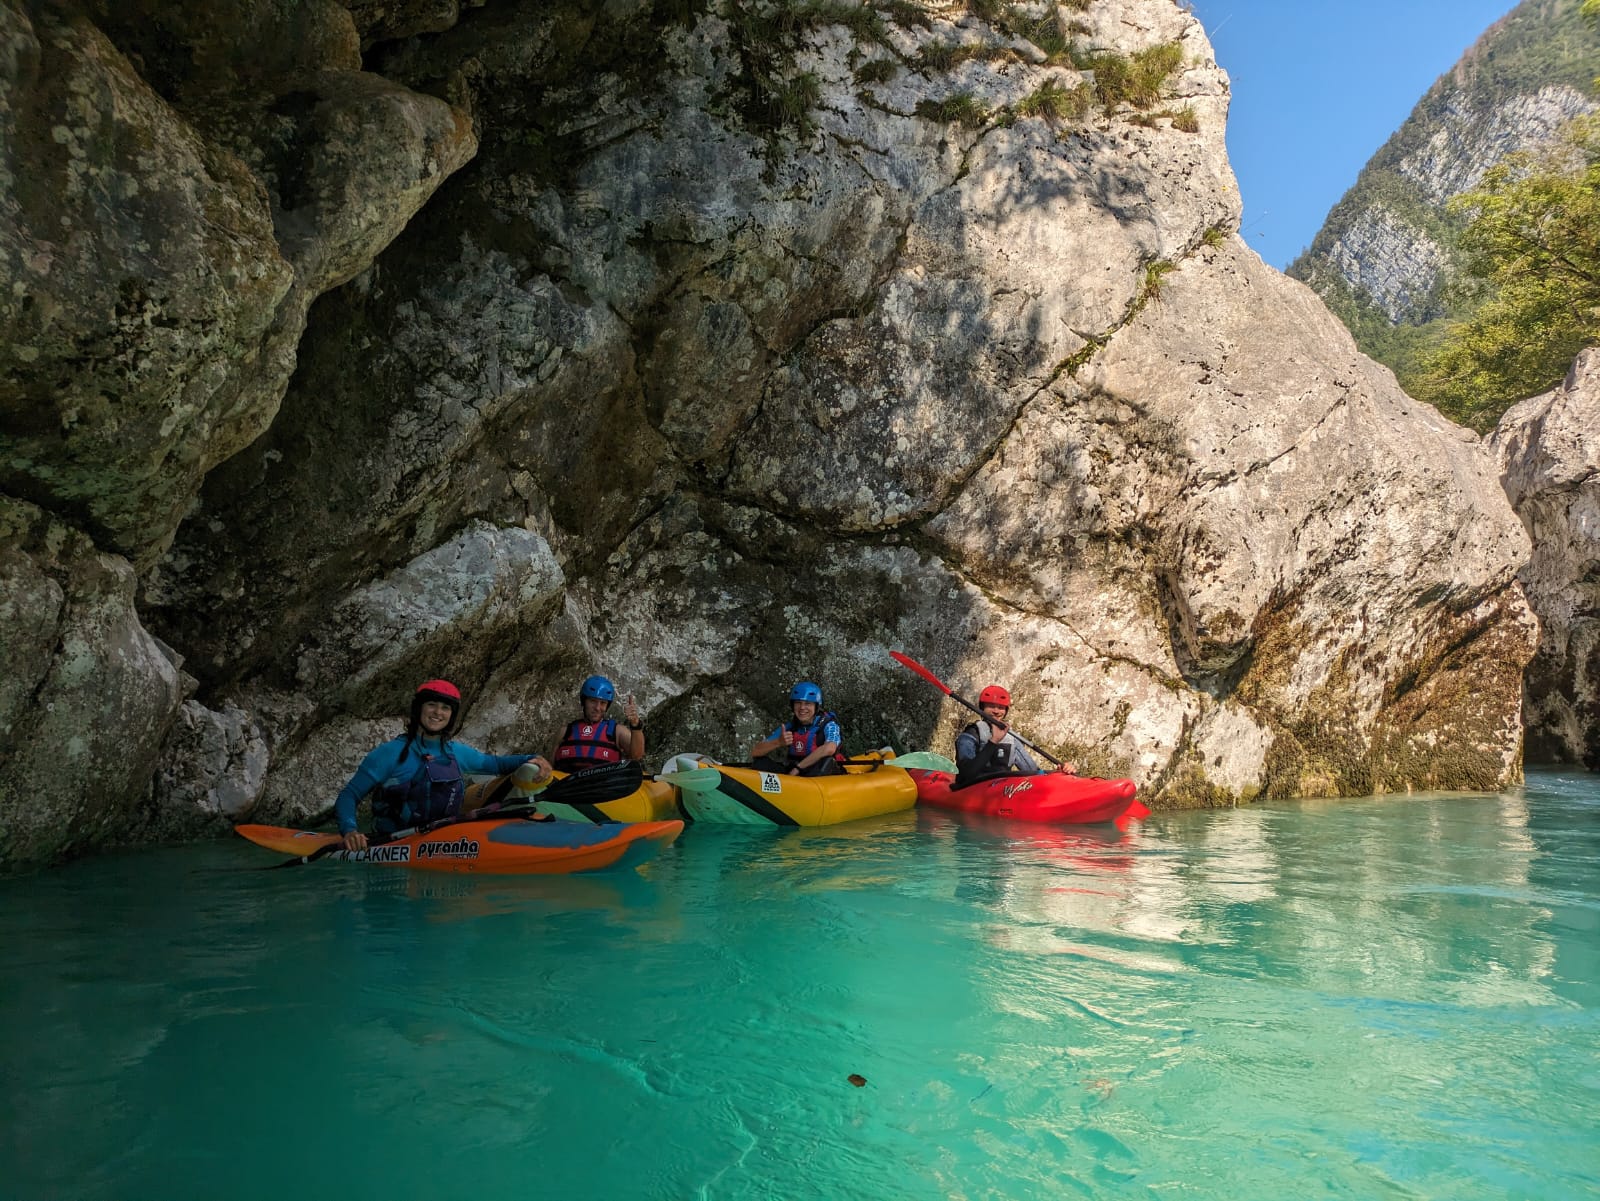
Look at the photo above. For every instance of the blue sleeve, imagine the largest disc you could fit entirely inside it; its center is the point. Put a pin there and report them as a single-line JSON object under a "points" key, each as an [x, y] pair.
{"points": [[966, 746], [832, 733], [377, 767], [1023, 760], [778, 734], [476, 763]]}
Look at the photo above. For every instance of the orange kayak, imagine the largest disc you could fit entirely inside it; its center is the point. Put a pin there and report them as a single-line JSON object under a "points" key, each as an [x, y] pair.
{"points": [[498, 846]]}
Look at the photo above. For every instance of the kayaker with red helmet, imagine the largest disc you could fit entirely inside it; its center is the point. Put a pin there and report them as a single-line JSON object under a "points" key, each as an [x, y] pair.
{"points": [[810, 742], [420, 776], [988, 748], [595, 738]]}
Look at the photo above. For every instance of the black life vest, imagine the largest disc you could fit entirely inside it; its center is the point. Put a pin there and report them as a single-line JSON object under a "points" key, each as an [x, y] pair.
{"points": [[993, 759], [586, 744], [435, 790]]}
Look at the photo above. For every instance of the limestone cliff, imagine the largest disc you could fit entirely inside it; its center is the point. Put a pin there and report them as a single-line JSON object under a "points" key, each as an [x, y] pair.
{"points": [[743, 342], [1385, 256], [1550, 465]]}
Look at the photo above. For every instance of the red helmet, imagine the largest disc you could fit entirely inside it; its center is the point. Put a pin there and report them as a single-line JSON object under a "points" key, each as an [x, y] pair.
{"points": [[441, 688], [994, 695]]}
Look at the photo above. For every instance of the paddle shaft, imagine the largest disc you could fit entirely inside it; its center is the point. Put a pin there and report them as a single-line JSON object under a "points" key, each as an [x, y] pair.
{"points": [[912, 665]]}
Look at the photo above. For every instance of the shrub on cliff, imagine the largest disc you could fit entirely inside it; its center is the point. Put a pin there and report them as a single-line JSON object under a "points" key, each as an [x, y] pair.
{"points": [[1532, 269]]}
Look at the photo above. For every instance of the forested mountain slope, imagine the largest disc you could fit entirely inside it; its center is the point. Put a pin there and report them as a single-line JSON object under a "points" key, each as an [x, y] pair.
{"points": [[1384, 258]]}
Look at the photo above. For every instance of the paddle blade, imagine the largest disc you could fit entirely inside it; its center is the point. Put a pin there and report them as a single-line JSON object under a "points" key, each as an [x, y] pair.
{"points": [[686, 761], [911, 664], [697, 777], [596, 785], [924, 761]]}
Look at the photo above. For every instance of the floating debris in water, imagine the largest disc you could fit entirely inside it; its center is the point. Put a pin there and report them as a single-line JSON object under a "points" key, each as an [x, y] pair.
{"points": [[858, 1081]]}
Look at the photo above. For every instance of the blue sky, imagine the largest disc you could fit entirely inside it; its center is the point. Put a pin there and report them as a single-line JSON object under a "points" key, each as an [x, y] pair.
{"points": [[1317, 88]]}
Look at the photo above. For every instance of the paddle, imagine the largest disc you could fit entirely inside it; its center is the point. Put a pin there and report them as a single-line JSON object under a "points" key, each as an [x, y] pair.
{"points": [[924, 761], [695, 777], [596, 785], [911, 664]]}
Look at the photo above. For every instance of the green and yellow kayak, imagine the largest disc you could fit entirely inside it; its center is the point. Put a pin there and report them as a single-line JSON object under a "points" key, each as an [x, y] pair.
{"points": [[750, 796]]}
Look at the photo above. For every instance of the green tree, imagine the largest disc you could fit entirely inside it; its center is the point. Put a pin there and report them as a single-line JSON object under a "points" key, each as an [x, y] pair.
{"points": [[1532, 273], [1591, 9]]}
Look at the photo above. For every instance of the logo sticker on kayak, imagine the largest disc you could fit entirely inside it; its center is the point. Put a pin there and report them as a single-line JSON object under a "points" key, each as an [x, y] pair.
{"points": [[377, 854], [1011, 790], [461, 848], [770, 782]]}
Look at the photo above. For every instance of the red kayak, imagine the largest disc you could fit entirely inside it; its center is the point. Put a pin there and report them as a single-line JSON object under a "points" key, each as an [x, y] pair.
{"points": [[1048, 797]]}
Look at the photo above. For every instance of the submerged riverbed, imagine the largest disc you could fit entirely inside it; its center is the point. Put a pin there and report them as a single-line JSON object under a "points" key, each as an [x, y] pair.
{"points": [[1396, 997]]}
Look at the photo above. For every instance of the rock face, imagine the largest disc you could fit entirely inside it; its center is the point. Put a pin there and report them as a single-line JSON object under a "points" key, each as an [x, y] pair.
{"points": [[86, 695], [745, 349], [1386, 252], [176, 188], [1550, 466], [162, 251]]}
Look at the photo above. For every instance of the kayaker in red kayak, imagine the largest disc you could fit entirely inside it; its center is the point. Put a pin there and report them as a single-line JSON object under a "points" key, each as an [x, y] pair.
{"points": [[988, 748], [419, 776], [595, 738], [809, 744]]}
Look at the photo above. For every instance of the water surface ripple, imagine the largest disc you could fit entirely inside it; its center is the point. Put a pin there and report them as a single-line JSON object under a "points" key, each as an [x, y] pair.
{"points": [[1386, 998]]}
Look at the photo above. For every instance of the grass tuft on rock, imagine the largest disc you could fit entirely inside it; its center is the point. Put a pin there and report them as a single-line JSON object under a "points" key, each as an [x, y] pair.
{"points": [[946, 56], [908, 15], [877, 70], [962, 109], [1051, 101], [1137, 80]]}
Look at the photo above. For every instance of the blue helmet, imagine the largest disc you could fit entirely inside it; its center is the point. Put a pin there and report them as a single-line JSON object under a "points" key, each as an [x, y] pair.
{"points": [[805, 690], [598, 688]]}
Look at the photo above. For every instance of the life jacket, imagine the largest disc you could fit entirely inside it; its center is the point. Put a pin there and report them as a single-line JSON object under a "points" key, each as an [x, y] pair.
{"points": [[993, 758], [804, 738], [588, 743], [433, 791]]}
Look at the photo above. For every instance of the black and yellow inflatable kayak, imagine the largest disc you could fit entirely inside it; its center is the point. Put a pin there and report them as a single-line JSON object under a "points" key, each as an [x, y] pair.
{"points": [[749, 796]]}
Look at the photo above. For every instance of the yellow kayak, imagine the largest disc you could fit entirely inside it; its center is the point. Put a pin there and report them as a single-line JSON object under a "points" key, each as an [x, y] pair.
{"points": [[749, 796], [654, 800]]}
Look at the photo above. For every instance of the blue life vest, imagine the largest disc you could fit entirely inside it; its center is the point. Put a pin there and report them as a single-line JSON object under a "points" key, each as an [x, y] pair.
{"points": [[586, 744], [434, 791], [804, 739]]}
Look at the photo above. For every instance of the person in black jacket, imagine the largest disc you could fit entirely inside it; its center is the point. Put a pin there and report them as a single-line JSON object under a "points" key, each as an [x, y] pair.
{"points": [[988, 747]]}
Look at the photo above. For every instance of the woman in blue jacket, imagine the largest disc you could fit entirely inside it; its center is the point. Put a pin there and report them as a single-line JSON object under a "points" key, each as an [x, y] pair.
{"points": [[420, 776]]}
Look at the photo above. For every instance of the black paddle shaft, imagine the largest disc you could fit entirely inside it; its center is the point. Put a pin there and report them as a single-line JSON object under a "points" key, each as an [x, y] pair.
{"points": [[1033, 746]]}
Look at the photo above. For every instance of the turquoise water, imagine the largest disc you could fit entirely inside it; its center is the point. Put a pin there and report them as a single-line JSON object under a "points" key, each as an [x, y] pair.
{"points": [[1390, 998]]}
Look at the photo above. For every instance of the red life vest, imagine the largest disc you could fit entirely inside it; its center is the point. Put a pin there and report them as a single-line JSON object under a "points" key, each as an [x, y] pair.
{"points": [[803, 739], [588, 743]]}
